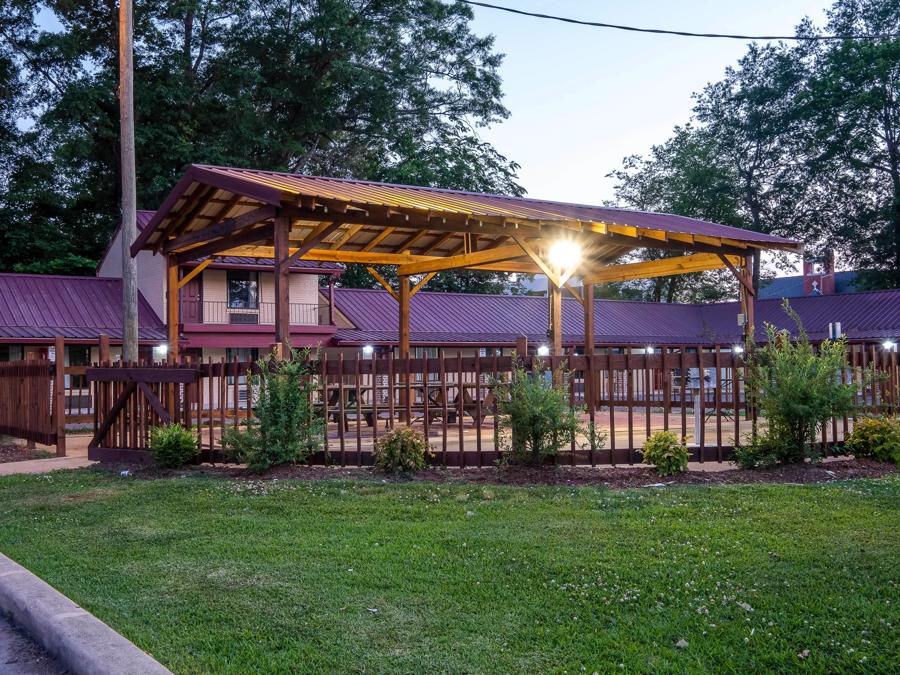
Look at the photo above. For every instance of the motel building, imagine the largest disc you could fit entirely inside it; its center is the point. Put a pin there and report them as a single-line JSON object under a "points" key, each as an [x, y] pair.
{"points": [[227, 312]]}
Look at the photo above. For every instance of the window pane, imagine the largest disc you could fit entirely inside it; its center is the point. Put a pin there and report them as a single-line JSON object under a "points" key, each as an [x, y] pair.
{"points": [[243, 289]]}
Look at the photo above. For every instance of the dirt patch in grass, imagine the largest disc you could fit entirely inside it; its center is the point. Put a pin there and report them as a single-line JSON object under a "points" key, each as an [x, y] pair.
{"points": [[613, 478], [9, 452]]}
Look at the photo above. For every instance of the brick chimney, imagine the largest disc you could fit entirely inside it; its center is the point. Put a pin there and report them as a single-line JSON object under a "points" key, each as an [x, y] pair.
{"points": [[818, 275]]}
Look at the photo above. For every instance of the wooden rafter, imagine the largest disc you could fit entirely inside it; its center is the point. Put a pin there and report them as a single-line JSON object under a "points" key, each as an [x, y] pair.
{"points": [[537, 259], [378, 238], [444, 238], [251, 235], [197, 270], [191, 208], [316, 237], [347, 235], [221, 229], [663, 267]]}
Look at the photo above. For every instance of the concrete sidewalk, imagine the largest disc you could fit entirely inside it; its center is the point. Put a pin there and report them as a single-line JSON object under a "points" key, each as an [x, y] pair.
{"points": [[76, 458]]}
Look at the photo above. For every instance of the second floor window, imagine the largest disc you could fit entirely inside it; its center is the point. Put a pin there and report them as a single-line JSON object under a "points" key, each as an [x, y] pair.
{"points": [[243, 289]]}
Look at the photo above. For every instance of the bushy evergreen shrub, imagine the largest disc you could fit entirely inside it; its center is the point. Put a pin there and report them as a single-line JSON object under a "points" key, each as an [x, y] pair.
{"points": [[402, 450], [665, 451], [172, 445], [876, 437]]}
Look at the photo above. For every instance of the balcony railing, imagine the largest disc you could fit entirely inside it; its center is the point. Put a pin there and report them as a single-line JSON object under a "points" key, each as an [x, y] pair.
{"points": [[219, 313]]}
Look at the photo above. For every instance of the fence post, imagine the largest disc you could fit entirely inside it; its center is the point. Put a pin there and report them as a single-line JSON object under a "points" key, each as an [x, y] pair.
{"points": [[59, 395], [103, 349]]}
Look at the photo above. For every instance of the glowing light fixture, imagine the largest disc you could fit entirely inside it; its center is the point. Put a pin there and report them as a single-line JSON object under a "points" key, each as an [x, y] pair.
{"points": [[650, 349], [889, 345], [161, 350], [564, 254], [543, 350], [368, 350], [738, 349]]}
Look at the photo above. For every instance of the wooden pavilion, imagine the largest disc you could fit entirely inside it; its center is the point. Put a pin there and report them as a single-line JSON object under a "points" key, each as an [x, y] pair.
{"points": [[217, 211]]}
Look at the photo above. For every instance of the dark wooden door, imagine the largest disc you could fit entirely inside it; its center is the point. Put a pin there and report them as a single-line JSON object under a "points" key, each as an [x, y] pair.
{"points": [[192, 301]]}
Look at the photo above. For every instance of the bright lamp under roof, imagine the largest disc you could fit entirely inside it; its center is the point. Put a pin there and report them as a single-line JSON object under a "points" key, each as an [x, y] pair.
{"points": [[564, 254]]}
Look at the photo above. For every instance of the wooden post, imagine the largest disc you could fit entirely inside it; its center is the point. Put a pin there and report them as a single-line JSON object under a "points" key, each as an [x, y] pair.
{"points": [[747, 301], [588, 297], [172, 309], [331, 300], [128, 182], [403, 345], [59, 395], [521, 347], [555, 319], [282, 282], [404, 317], [103, 349]]}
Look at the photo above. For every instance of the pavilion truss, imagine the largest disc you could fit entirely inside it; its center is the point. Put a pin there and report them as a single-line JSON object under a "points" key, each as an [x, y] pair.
{"points": [[217, 211]]}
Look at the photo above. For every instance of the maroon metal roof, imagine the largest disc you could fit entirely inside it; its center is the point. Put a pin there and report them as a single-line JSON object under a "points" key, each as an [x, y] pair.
{"points": [[272, 188], [459, 318], [36, 306]]}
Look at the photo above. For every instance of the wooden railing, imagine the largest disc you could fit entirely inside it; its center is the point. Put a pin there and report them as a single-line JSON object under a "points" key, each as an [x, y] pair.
{"points": [[696, 392]]}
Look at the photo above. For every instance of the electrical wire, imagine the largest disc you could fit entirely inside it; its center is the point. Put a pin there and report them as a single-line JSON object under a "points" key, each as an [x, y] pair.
{"points": [[681, 33]]}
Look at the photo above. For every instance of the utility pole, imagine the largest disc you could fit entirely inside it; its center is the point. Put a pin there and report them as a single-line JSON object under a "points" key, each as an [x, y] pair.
{"points": [[129, 185]]}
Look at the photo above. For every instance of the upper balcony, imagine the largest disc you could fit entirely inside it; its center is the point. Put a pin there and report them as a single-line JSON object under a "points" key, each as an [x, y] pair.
{"points": [[219, 313]]}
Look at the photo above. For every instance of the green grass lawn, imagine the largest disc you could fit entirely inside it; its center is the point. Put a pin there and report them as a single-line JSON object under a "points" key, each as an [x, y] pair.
{"points": [[215, 575]]}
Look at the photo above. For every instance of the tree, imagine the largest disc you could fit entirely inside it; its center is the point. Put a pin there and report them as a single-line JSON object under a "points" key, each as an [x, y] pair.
{"points": [[852, 109], [686, 176], [387, 90]]}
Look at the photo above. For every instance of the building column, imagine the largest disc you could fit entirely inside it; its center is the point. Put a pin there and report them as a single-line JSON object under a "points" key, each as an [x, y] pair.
{"points": [[173, 313], [747, 301], [588, 296], [404, 317], [282, 285], [331, 300]]}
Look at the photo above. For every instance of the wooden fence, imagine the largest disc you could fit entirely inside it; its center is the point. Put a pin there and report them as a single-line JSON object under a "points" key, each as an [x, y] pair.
{"points": [[27, 401], [694, 391]]}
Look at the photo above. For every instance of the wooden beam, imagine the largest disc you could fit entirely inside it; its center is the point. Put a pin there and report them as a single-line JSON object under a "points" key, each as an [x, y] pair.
{"points": [[262, 233], [574, 293], [192, 206], [412, 239], [194, 272], [312, 240], [282, 283], [384, 282], [459, 261], [740, 276], [424, 280], [222, 229], [533, 254], [663, 267], [172, 309], [555, 320], [347, 235]]}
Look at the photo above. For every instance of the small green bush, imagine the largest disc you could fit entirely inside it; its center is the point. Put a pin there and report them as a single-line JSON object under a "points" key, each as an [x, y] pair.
{"points": [[877, 437], [666, 452], [402, 450], [172, 445], [763, 452], [536, 419], [286, 427]]}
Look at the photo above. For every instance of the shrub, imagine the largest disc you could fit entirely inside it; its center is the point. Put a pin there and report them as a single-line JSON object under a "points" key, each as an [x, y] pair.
{"points": [[763, 452], [286, 427], [172, 445], [877, 437], [797, 389], [402, 450], [666, 452], [536, 419]]}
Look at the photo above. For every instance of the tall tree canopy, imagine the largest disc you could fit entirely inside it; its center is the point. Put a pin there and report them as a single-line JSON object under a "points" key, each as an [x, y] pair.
{"points": [[802, 141], [390, 90]]}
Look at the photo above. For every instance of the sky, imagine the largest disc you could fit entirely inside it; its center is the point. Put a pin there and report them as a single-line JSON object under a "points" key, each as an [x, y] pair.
{"points": [[583, 98]]}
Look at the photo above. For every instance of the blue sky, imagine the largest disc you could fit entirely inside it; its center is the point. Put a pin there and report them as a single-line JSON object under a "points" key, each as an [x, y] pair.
{"points": [[583, 98]]}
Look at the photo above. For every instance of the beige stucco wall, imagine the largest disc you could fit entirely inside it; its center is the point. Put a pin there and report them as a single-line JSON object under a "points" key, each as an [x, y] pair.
{"points": [[151, 270], [303, 289]]}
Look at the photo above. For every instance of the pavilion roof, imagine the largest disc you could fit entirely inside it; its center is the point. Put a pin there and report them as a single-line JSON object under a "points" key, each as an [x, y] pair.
{"points": [[228, 210]]}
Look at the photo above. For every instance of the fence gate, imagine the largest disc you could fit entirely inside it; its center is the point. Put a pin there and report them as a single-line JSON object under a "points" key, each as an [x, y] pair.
{"points": [[26, 401], [130, 401]]}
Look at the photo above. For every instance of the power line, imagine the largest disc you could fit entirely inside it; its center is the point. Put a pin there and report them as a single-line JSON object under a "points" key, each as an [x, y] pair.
{"points": [[681, 33]]}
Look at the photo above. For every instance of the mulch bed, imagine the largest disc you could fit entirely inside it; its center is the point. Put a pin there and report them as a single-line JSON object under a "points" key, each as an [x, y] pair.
{"points": [[19, 453], [613, 478]]}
